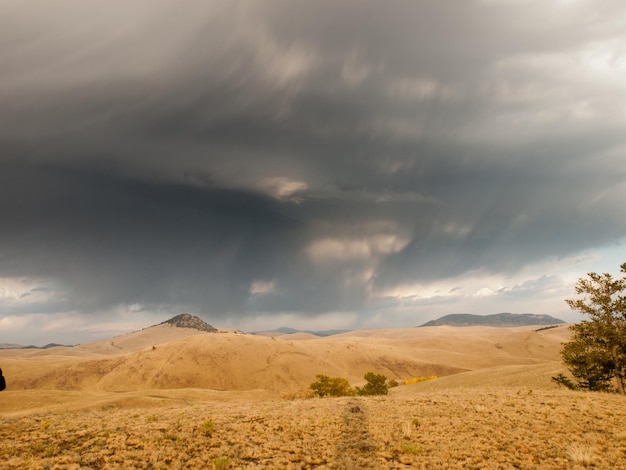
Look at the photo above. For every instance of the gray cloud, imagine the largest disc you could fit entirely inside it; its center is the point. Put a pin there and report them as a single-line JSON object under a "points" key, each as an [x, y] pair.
{"points": [[173, 154]]}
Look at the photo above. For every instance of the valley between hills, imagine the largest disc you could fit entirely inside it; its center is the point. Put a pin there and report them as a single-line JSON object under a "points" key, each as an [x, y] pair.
{"points": [[178, 397]]}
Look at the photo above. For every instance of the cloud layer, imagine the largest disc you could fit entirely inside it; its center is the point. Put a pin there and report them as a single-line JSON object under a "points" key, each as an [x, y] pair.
{"points": [[302, 158]]}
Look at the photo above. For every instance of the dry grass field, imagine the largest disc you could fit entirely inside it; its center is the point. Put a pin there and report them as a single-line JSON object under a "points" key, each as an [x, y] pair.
{"points": [[175, 398]]}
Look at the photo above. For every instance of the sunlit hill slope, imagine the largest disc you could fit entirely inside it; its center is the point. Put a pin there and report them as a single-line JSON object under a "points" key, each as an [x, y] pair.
{"points": [[170, 357]]}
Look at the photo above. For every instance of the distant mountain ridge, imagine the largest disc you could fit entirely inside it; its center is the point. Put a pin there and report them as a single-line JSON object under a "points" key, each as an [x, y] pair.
{"points": [[496, 319], [185, 320], [47, 346], [289, 331], [19, 346]]}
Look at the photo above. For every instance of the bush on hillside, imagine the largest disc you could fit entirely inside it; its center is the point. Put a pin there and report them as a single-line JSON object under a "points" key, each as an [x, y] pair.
{"points": [[337, 387], [331, 387], [376, 385]]}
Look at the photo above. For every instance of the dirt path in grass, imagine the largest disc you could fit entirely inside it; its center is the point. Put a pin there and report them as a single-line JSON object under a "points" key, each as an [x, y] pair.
{"points": [[356, 447]]}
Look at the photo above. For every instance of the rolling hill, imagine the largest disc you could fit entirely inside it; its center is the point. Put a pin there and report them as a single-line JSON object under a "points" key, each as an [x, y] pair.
{"points": [[166, 356]]}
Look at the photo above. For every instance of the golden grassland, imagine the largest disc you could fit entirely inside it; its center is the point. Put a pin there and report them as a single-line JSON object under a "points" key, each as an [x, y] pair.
{"points": [[238, 401], [482, 428]]}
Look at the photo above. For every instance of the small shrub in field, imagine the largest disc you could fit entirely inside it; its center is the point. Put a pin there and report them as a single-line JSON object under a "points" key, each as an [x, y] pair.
{"points": [[220, 463], [331, 387], [46, 424], [376, 385], [208, 427], [410, 448], [392, 383]]}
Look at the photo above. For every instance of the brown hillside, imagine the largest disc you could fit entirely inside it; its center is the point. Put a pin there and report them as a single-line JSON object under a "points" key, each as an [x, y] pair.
{"points": [[164, 357], [138, 340]]}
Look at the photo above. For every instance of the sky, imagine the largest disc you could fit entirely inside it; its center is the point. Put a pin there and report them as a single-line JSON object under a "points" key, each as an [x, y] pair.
{"points": [[313, 164]]}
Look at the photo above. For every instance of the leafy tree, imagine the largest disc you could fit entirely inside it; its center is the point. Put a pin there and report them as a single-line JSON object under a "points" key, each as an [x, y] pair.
{"points": [[376, 385], [596, 354], [331, 387]]}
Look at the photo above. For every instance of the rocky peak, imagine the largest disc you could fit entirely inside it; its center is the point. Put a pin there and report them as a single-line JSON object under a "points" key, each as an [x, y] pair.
{"points": [[185, 320]]}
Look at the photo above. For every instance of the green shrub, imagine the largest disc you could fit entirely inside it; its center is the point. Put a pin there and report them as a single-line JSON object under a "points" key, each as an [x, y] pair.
{"points": [[392, 383], [376, 385], [331, 387]]}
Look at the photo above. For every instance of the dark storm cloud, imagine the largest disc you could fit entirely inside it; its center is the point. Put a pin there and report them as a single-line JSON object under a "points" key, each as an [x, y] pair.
{"points": [[121, 241], [175, 153]]}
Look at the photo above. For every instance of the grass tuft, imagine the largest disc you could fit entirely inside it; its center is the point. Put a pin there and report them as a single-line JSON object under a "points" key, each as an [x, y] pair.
{"points": [[407, 429], [581, 454], [221, 463]]}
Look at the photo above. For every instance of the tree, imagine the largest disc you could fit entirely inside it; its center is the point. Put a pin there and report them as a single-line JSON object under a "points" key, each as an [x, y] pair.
{"points": [[331, 387], [376, 385], [596, 354]]}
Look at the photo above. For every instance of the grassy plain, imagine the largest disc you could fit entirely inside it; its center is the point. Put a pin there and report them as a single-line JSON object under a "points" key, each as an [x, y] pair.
{"points": [[177, 399]]}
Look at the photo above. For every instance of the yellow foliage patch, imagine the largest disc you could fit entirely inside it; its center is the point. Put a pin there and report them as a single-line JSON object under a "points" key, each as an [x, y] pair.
{"points": [[415, 380]]}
